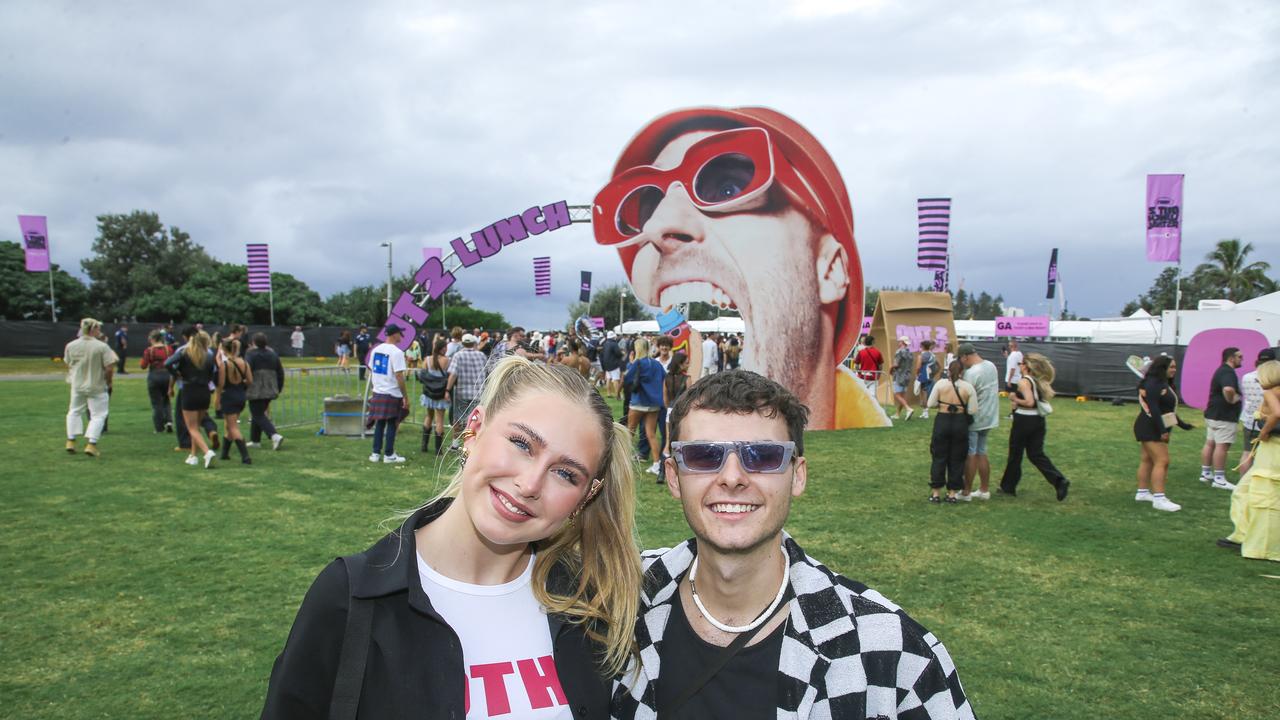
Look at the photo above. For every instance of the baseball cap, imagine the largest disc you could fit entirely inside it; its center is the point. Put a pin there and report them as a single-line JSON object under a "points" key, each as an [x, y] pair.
{"points": [[393, 329], [905, 339], [611, 335], [469, 339], [810, 160], [966, 349]]}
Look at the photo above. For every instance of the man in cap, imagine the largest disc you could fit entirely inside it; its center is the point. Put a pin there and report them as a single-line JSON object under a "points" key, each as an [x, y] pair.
{"points": [[740, 621], [91, 364], [744, 209], [389, 403], [985, 379], [466, 380]]}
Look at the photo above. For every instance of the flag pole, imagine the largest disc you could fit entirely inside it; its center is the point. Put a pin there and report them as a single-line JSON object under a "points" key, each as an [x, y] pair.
{"points": [[53, 306], [1177, 303], [271, 300]]}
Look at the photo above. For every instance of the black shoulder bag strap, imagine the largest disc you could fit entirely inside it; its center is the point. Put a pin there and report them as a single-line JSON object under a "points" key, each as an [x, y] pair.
{"points": [[708, 672], [355, 649]]}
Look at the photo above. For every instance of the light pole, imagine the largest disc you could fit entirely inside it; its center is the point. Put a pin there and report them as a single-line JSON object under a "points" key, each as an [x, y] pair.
{"points": [[622, 296], [387, 245]]}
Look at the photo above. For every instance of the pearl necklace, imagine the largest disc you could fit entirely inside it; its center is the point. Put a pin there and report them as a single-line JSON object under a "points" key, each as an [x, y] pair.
{"points": [[760, 619]]}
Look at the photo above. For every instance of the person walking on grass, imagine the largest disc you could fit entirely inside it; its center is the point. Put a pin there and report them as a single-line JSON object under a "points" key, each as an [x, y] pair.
{"points": [[363, 341], [985, 379], [645, 375], [234, 378], [926, 372], [153, 359], [296, 340], [434, 378], [266, 382], [1030, 406], [1157, 414], [389, 403], [1221, 415], [91, 365], [195, 364], [122, 348], [903, 364], [957, 403], [343, 350], [175, 389]]}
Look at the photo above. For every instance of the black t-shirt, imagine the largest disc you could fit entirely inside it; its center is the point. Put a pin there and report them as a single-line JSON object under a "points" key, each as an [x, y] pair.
{"points": [[746, 688], [1218, 407]]}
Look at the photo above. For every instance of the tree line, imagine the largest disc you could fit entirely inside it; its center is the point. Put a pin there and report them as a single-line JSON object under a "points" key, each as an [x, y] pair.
{"points": [[142, 270]]}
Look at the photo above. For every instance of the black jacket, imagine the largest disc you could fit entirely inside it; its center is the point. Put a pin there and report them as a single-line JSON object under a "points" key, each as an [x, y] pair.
{"points": [[414, 667], [611, 356]]}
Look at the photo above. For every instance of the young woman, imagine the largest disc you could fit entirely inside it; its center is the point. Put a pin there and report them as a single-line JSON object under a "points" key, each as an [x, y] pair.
{"points": [[343, 349], [1028, 431], [1158, 403], [194, 363], [266, 383], [1258, 521], [234, 378], [525, 565], [434, 377], [957, 402], [925, 371], [153, 359], [413, 354], [644, 376]]}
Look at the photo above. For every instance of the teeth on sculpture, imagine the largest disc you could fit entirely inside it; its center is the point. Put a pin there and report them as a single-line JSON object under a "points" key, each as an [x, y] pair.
{"points": [[695, 291]]}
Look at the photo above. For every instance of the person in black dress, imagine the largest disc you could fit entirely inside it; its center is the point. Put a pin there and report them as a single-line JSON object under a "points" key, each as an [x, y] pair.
{"points": [[234, 378], [1157, 401], [195, 364]]}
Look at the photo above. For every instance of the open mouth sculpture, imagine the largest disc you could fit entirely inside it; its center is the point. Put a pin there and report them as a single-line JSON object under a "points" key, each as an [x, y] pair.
{"points": [[696, 291]]}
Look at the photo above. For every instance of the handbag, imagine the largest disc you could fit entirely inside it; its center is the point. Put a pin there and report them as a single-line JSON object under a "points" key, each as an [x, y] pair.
{"points": [[433, 386], [1042, 406], [1169, 419]]}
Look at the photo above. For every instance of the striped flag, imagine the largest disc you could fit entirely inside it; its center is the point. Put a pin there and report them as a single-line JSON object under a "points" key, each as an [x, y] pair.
{"points": [[542, 276], [935, 223], [259, 268]]}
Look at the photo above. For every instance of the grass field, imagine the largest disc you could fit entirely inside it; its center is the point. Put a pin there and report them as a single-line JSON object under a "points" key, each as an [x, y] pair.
{"points": [[143, 588], [47, 366]]}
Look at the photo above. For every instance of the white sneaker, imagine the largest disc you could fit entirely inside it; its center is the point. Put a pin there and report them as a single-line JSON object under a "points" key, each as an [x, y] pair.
{"points": [[964, 498], [209, 455], [910, 412], [393, 458], [1222, 484], [276, 441], [1206, 478], [192, 460], [1165, 504], [652, 469], [251, 443], [375, 457], [1144, 497], [924, 415], [982, 495]]}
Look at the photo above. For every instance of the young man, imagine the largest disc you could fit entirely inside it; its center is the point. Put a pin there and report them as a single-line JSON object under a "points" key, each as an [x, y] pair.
{"points": [[803, 641], [363, 340], [389, 403], [91, 364], [297, 340], [985, 379], [869, 361], [466, 380], [122, 348], [1220, 417]]}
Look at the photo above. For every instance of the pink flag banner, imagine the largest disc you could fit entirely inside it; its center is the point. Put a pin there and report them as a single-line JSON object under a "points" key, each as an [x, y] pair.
{"points": [[259, 268], [35, 241], [431, 253], [1164, 218]]}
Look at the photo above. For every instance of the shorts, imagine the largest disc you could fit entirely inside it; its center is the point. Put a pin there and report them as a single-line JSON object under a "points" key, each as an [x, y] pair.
{"points": [[644, 408], [978, 441], [1221, 432], [899, 387], [343, 351], [614, 374]]}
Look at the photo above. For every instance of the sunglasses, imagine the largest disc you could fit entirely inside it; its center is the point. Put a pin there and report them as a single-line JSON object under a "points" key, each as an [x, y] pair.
{"points": [[729, 171], [769, 456]]}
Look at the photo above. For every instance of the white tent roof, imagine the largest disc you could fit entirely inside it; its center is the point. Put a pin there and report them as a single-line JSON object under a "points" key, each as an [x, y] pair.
{"points": [[1266, 303], [720, 325]]}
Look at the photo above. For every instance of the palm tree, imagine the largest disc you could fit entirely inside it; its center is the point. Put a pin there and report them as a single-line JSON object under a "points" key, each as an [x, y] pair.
{"points": [[1229, 272]]}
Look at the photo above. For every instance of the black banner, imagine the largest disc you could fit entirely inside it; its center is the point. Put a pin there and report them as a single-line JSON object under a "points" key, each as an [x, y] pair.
{"points": [[584, 295], [1053, 274]]}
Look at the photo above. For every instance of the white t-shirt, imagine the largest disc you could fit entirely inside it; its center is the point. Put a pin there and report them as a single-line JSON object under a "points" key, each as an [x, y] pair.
{"points": [[506, 646], [1012, 369], [385, 362], [709, 353]]}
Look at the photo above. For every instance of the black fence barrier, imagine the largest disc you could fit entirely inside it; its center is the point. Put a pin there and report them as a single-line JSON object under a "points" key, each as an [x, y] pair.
{"points": [[1095, 370]]}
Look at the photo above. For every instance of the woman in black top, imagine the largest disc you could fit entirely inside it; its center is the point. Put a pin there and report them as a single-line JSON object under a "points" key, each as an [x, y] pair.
{"points": [[266, 384], [234, 377], [1158, 402], [194, 364]]}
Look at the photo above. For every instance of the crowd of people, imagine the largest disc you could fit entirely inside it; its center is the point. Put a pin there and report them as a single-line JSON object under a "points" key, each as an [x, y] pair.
{"points": [[221, 373]]}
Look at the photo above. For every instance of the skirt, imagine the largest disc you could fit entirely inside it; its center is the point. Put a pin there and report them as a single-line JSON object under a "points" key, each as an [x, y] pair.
{"points": [[195, 397], [384, 407], [1261, 521], [430, 404], [1144, 429], [233, 399]]}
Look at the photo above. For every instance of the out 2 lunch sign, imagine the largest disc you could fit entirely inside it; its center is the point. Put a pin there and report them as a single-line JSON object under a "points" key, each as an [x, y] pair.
{"points": [[1034, 326]]}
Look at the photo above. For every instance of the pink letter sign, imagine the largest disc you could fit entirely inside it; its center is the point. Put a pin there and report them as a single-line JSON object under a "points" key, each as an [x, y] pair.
{"points": [[1036, 326]]}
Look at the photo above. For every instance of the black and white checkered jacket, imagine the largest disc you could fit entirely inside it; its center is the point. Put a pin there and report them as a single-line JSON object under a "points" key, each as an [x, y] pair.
{"points": [[848, 651]]}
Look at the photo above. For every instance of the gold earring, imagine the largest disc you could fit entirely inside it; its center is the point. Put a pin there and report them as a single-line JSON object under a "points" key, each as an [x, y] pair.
{"points": [[595, 488], [463, 452]]}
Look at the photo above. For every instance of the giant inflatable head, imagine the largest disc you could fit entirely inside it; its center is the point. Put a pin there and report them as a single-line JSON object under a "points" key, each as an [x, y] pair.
{"points": [[719, 169]]}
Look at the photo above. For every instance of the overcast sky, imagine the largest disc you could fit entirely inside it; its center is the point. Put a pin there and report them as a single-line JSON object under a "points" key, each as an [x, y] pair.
{"points": [[326, 129]]}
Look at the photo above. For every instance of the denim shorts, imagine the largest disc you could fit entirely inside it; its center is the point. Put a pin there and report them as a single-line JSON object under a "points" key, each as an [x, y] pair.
{"points": [[978, 441], [897, 388]]}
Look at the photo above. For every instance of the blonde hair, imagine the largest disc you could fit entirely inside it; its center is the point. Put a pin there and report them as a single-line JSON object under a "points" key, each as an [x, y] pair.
{"points": [[1040, 370], [606, 596], [1269, 374], [198, 348], [641, 348]]}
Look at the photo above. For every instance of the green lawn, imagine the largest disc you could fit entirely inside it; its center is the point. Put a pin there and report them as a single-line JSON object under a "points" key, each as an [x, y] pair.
{"points": [[139, 587], [38, 365]]}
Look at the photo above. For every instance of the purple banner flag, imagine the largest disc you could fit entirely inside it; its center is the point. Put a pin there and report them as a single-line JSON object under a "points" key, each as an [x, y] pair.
{"points": [[431, 253], [584, 293], [35, 241], [1164, 218], [1053, 274], [542, 276], [935, 226], [259, 268]]}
